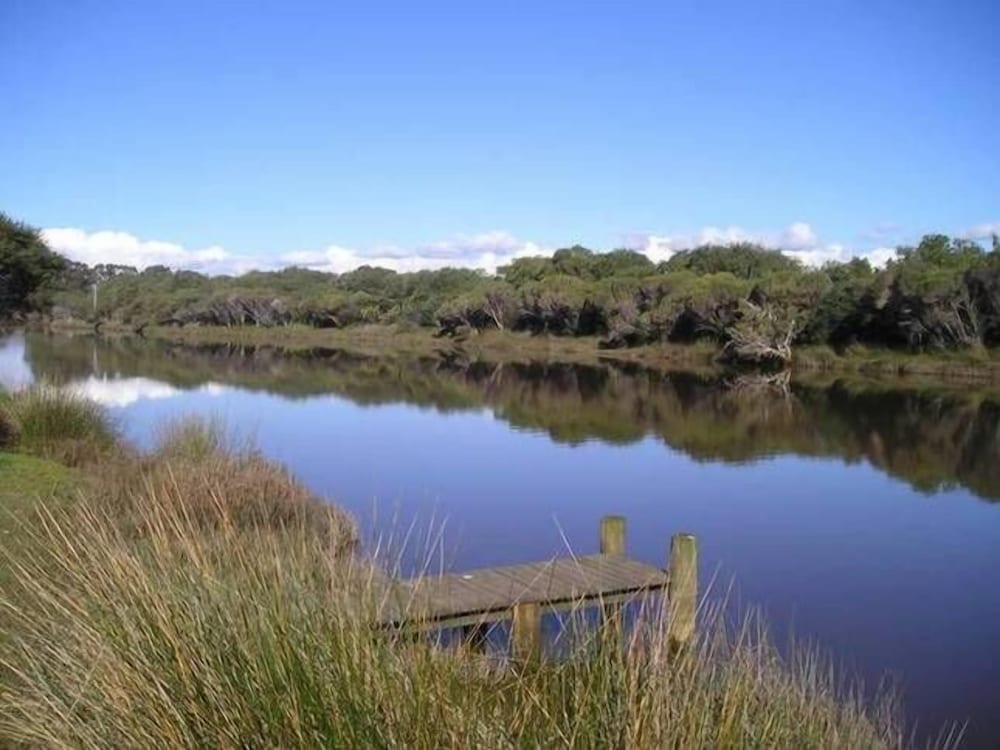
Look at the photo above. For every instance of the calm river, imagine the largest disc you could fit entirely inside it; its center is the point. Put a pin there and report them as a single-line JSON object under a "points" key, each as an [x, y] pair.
{"points": [[861, 516]]}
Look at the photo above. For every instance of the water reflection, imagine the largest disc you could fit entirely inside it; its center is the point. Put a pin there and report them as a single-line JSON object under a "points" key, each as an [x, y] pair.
{"points": [[14, 370], [121, 392], [934, 438], [519, 461]]}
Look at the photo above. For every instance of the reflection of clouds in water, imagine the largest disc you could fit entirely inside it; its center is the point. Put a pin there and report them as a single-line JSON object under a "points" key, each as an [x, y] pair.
{"points": [[127, 391], [14, 369]]}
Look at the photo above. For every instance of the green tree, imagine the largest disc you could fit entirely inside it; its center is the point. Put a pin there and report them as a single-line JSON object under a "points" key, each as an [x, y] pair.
{"points": [[621, 263], [744, 260], [522, 271], [27, 266]]}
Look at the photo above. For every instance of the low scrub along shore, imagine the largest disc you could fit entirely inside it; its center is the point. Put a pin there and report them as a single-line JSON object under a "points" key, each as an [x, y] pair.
{"points": [[198, 595], [978, 364]]}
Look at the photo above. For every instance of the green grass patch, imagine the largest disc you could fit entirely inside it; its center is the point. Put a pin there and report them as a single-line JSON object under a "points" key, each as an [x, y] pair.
{"points": [[27, 484], [26, 479]]}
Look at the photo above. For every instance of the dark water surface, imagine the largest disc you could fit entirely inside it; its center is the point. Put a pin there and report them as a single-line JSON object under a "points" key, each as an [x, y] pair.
{"points": [[862, 516]]}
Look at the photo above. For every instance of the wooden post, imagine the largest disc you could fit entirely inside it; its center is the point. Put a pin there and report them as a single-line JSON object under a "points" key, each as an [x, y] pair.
{"points": [[682, 589], [527, 631], [613, 545], [613, 536]]}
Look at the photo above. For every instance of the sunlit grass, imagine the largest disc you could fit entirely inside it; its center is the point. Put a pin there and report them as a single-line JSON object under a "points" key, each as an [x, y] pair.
{"points": [[190, 439], [56, 423], [245, 637]]}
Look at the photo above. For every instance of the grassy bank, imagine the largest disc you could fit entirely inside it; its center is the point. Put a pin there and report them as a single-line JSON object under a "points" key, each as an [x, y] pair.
{"points": [[199, 596], [494, 346], [978, 365], [974, 365]]}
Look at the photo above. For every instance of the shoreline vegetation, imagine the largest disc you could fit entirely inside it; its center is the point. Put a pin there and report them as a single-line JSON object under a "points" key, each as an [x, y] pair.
{"points": [[976, 365], [199, 595], [933, 309]]}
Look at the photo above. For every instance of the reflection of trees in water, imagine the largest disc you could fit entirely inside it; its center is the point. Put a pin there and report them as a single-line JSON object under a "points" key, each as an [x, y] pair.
{"points": [[933, 439]]}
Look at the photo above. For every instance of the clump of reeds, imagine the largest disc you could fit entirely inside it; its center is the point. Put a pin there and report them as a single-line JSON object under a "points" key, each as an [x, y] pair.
{"points": [[191, 439], [56, 423], [216, 483]]}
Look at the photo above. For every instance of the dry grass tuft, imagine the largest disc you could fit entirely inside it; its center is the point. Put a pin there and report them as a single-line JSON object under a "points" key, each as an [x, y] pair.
{"points": [[215, 487]]}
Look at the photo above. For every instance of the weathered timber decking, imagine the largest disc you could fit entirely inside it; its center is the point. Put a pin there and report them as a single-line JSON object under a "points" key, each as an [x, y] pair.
{"points": [[519, 593], [490, 594]]}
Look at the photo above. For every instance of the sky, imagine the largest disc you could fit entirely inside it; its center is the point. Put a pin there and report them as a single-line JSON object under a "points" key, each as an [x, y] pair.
{"points": [[226, 136]]}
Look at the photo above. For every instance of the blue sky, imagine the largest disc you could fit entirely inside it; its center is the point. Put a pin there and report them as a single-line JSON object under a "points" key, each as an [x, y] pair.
{"points": [[226, 135]]}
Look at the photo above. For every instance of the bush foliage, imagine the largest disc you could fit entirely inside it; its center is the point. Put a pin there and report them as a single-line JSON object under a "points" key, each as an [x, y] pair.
{"points": [[27, 268], [755, 302]]}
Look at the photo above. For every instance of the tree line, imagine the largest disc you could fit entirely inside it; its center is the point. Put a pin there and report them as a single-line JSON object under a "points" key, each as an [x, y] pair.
{"points": [[755, 302]]}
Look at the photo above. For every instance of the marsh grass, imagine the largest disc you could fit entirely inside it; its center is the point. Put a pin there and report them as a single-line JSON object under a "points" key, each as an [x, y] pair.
{"points": [[976, 364], [196, 625], [191, 439], [218, 482], [57, 424], [199, 596]]}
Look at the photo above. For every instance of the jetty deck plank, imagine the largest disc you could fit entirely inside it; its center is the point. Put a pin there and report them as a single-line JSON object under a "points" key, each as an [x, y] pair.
{"points": [[490, 593]]}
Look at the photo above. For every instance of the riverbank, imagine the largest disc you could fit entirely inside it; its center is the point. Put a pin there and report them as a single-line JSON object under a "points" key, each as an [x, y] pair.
{"points": [[381, 340], [181, 579], [976, 366]]}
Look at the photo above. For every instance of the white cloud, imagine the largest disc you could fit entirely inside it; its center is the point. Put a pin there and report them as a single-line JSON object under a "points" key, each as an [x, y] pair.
{"points": [[126, 249], [982, 231], [798, 240], [799, 236], [879, 256], [486, 251], [817, 255]]}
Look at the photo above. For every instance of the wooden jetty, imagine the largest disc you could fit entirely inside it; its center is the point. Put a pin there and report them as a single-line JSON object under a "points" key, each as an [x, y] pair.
{"points": [[475, 599]]}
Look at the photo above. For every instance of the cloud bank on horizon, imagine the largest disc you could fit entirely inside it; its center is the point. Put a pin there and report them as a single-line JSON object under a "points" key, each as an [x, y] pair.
{"points": [[487, 251]]}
